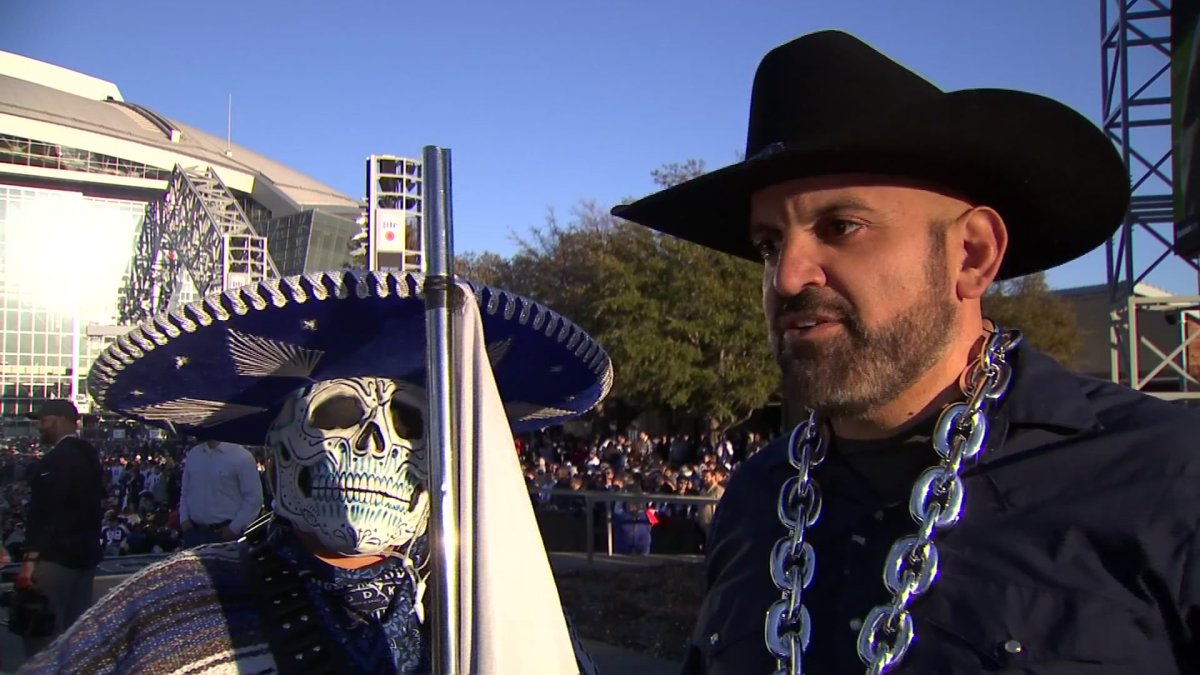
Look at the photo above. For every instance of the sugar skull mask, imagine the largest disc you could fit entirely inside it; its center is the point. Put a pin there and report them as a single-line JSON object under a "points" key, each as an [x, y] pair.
{"points": [[350, 465]]}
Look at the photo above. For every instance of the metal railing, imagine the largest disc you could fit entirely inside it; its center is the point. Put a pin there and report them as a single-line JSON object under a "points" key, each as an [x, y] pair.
{"points": [[593, 497], [126, 564]]}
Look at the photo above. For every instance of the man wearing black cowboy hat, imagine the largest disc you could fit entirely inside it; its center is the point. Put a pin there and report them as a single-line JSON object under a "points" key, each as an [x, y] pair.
{"points": [[954, 502]]}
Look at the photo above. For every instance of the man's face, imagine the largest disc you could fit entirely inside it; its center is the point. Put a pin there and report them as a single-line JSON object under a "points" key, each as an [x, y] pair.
{"points": [[46, 426], [857, 289]]}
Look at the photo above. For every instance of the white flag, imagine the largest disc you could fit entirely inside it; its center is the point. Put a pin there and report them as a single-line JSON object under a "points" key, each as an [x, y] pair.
{"points": [[507, 580]]}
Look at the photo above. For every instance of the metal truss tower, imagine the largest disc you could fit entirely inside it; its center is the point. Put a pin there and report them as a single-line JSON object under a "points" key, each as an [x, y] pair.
{"points": [[395, 213], [1136, 99], [199, 229]]}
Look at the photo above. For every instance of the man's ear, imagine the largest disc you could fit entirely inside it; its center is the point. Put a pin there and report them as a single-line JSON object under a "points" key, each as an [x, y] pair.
{"points": [[984, 242]]}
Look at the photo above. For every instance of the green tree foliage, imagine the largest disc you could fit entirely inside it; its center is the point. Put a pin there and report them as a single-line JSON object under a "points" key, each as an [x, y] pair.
{"points": [[675, 173], [682, 323], [1047, 320], [484, 268]]}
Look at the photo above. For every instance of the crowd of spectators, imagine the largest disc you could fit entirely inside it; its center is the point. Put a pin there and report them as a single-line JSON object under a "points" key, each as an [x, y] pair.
{"points": [[641, 466], [143, 479]]}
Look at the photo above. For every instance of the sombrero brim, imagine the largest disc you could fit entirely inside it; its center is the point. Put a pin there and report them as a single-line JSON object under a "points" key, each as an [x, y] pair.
{"points": [[221, 367], [1054, 177]]}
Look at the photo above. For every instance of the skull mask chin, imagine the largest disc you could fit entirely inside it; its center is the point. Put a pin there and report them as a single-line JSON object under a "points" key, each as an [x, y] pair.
{"points": [[350, 466]]}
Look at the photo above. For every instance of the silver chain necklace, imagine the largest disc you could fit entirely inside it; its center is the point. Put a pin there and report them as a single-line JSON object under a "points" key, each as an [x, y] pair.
{"points": [[912, 563]]}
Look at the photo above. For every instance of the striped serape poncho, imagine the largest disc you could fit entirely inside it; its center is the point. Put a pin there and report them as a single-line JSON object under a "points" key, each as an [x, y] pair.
{"points": [[196, 612]]}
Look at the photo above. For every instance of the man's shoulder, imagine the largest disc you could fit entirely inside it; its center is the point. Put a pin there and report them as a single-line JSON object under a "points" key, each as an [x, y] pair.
{"points": [[1120, 406], [1156, 426], [191, 568], [68, 445], [189, 575], [1109, 422], [241, 450], [207, 572], [1049, 388], [69, 449], [184, 605], [754, 475], [228, 451], [1138, 434]]}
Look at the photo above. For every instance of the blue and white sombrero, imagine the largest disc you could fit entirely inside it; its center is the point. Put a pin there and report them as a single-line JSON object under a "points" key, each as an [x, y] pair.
{"points": [[220, 368]]}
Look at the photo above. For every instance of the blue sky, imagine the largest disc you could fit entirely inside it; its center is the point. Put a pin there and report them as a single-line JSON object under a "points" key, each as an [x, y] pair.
{"points": [[543, 103]]}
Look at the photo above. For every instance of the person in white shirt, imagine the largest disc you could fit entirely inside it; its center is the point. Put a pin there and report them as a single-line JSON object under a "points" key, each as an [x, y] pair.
{"points": [[221, 493], [151, 476]]}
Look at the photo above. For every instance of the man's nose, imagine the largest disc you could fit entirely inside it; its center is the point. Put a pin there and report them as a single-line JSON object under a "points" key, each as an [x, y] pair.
{"points": [[798, 266]]}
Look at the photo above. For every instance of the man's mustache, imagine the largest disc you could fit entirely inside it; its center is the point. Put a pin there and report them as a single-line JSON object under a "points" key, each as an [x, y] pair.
{"points": [[816, 302]]}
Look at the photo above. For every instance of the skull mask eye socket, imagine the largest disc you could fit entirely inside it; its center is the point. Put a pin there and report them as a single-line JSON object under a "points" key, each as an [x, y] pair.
{"points": [[337, 412], [407, 420]]}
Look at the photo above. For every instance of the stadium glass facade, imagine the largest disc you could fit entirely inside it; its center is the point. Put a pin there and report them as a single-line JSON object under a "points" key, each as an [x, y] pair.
{"points": [[21, 151], [63, 256], [309, 241]]}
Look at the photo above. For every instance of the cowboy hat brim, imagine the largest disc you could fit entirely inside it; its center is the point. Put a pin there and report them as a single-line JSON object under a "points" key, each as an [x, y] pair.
{"points": [[222, 367], [1055, 179]]}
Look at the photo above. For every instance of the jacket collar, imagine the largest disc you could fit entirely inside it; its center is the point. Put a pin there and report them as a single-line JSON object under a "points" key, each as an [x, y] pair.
{"points": [[1043, 395]]}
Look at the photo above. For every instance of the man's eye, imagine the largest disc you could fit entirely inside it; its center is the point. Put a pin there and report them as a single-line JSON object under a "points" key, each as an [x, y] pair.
{"points": [[841, 228], [767, 248]]}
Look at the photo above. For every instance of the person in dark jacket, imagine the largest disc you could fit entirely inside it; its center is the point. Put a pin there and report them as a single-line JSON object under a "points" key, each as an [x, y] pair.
{"points": [[632, 525], [952, 500], [62, 545]]}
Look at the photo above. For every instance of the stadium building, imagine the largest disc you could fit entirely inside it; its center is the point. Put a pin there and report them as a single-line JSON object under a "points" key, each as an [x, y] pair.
{"points": [[110, 211]]}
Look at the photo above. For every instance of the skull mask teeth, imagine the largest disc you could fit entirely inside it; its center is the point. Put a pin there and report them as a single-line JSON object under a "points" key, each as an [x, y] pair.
{"points": [[350, 463]]}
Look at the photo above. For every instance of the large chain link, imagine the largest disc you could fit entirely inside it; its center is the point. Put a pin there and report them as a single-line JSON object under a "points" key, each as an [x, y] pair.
{"points": [[793, 561], [912, 563]]}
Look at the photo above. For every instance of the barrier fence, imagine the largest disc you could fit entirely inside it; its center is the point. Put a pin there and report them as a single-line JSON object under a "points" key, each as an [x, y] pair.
{"points": [[593, 497], [127, 564]]}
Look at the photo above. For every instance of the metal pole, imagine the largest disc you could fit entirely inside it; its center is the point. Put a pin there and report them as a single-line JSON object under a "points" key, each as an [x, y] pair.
{"points": [[1135, 367], [608, 514], [443, 467], [591, 526], [372, 205]]}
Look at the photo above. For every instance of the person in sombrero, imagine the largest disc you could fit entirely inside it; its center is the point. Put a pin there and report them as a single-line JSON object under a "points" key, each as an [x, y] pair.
{"points": [[952, 500], [328, 371]]}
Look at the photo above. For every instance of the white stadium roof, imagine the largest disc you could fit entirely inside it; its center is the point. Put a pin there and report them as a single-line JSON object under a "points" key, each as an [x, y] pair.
{"points": [[55, 105]]}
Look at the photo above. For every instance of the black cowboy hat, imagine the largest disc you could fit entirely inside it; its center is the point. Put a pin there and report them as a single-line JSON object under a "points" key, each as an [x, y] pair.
{"points": [[827, 103]]}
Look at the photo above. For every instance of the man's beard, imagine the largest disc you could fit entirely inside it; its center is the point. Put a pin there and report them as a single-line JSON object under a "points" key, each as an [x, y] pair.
{"points": [[850, 374]]}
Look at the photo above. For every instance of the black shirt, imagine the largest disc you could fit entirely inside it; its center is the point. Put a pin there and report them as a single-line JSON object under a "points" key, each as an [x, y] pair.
{"points": [[66, 493], [1076, 552]]}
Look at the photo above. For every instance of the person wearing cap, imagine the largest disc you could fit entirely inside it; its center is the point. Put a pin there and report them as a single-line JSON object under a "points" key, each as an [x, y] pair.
{"points": [[66, 509], [952, 500]]}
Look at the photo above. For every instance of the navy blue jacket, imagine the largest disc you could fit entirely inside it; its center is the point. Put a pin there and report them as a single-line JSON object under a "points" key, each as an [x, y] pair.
{"points": [[66, 505], [1077, 551]]}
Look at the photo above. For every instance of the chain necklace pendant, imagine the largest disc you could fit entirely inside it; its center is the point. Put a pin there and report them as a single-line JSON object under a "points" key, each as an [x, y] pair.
{"points": [[911, 567]]}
